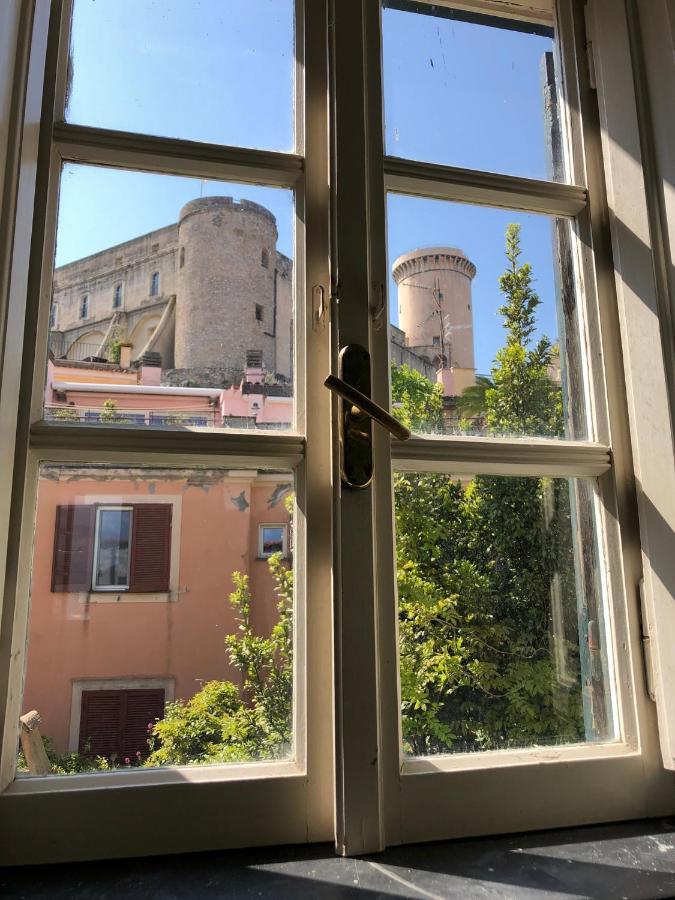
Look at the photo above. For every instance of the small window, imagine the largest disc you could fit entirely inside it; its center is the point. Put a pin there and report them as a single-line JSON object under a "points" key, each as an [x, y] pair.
{"points": [[265, 259], [112, 545], [154, 284], [112, 548], [54, 316], [117, 296], [272, 539], [181, 261], [84, 307], [259, 312], [436, 341]]}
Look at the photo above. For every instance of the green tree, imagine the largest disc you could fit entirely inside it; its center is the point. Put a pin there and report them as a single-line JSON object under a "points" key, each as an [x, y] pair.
{"points": [[228, 722], [418, 402]]}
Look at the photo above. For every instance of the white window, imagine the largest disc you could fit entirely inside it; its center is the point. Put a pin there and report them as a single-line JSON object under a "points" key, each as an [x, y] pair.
{"points": [[272, 539], [112, 545]]}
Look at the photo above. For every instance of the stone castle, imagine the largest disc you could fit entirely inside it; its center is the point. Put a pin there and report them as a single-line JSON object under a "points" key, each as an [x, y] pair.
{"points": [[209, 297]]}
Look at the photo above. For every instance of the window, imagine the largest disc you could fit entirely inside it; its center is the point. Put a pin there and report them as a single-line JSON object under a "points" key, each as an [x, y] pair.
{"points": [[259, 312], [108, 548], [111, 549], [114, 723], [181, 258], [386, 788], [154, 284], [84, 306], [265, 259], [54, 316], [117, 296], [272, 539]]}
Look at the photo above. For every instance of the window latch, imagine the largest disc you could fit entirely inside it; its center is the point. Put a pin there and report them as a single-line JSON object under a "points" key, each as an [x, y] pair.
{"points": [[357, 411]]}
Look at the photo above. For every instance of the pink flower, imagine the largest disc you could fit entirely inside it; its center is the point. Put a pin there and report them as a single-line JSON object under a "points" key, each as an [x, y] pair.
{"points": [[127, 761]]}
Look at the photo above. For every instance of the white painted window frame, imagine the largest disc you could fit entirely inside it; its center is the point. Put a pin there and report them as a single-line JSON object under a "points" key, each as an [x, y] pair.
{"points": [[261, 541], [301, 787], [110, 587], [386, 798]]}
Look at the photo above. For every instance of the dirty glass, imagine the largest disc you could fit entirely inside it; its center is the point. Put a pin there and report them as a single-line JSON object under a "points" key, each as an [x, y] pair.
{"points": [[503, 637], [198, 70], [157, 635], [172, 303]]}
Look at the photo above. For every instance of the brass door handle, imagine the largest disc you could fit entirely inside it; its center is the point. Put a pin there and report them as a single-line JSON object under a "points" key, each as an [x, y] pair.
{"points": [[367, 406]]}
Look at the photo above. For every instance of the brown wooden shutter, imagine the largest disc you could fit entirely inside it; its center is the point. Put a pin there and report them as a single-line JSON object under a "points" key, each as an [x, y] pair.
{"points": [[142, 707], [101, 723], [114, 724], [150, 547], [73, 548]]}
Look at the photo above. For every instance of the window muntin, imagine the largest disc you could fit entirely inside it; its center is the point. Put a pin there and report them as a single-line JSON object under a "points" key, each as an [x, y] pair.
{"points": [[467, 90], [228, 70], [111, 548]]}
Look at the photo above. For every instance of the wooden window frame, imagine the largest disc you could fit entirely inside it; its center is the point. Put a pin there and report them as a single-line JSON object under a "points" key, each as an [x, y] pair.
{"points": [[302, 786]]}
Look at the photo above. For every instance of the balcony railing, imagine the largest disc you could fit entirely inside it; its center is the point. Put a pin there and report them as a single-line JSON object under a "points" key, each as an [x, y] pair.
{"points": [[166, 418], [77, 352]]}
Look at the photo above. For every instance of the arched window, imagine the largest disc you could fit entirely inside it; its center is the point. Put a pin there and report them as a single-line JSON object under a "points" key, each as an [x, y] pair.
{"points": [[181, 262], [154, 284], [84, 306], [117, 296], [265, 260]]}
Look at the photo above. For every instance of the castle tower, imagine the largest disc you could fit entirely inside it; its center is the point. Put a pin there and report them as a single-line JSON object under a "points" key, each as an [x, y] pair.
{"points": [[226, 297], [435, 308]]}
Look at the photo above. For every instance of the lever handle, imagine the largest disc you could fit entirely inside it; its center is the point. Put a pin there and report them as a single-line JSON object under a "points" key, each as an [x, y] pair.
{"points": [[367, 406]]}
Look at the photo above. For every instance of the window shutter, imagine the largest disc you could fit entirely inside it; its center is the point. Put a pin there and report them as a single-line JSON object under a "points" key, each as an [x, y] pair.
{"points": [[73, 548], [150, 547], [114, 724], [142, 707], [101, 723]]}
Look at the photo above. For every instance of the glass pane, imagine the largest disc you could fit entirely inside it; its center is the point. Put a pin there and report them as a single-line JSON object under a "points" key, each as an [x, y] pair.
{"points": [[502, 623], [484, 321], [172, 302], [112, 548], [190, 662], [200, 70], [472, 91]]}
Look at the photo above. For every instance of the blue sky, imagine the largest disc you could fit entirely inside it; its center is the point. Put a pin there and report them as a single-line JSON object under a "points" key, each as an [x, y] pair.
{"points": [[222, 71]]}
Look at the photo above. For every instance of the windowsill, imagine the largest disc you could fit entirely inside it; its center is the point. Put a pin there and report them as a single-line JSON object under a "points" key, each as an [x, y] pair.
{"points": [[128, 597]]}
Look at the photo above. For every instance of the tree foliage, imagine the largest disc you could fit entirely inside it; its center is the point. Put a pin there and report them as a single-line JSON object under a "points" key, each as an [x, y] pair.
{"points": [[228, 722], [481, 563]]}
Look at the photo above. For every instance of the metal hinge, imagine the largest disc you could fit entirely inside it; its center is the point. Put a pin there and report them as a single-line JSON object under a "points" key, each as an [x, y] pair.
{"points": [[647, 653], [589, 47]]}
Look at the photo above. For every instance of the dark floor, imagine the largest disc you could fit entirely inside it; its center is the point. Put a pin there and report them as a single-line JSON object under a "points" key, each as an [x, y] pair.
{"points": [[631, 860]]}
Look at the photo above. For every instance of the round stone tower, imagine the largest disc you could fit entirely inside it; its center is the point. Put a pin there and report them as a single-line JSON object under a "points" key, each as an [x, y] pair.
{"points": [[434, 305], [225, 309]]}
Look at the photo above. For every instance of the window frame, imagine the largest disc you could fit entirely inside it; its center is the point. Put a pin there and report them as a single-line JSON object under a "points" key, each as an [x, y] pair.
{"points": [[261, 539], [104, 588], [302, 785]]}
